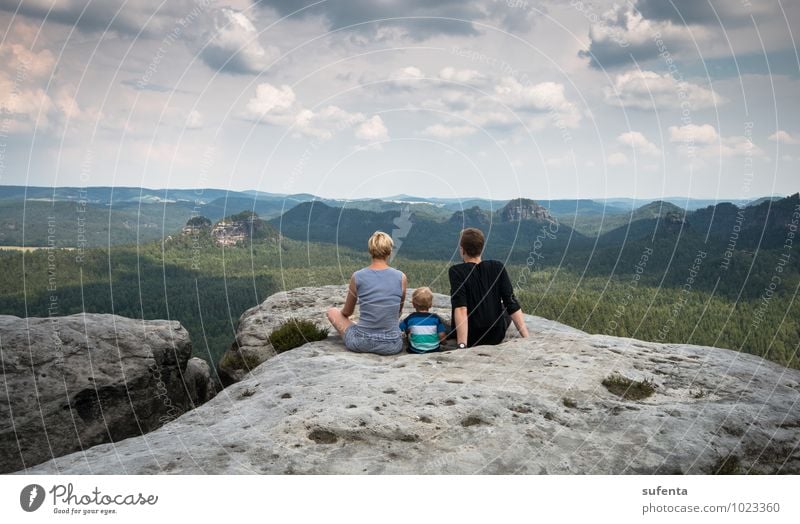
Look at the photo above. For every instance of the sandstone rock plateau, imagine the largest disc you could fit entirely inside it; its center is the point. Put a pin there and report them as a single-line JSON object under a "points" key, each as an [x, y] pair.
{"points": [[70, 383], [538, 405]]}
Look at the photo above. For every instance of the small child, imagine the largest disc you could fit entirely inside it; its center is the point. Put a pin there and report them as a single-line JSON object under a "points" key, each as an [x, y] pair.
{"points": [[425, 330]]}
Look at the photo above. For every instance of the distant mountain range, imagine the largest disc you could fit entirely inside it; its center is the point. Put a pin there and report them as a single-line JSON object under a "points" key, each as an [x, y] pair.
{"points": [[739, 246], [101, 216], [207, 196]]}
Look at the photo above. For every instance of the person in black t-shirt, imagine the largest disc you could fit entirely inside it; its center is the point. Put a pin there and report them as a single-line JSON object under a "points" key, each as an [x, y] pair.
{"points": [[482, 296]]}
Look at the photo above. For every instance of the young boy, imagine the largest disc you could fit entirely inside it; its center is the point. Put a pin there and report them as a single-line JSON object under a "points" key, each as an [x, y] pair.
{"points": [[425, 330]]}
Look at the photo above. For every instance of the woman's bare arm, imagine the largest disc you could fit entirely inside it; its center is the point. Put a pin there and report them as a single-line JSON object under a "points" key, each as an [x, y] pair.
{"points": [[403, 296], [352, 297]]}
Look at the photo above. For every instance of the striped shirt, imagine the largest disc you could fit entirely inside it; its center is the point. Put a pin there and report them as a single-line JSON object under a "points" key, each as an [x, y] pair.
{"points": [[423, 329]]}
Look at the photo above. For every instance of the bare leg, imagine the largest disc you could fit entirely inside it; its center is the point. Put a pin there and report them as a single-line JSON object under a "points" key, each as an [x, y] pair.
{"points": [[339, 321]]}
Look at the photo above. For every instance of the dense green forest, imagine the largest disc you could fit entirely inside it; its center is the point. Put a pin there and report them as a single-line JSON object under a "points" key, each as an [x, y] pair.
{"points": [[204, 286], [667, 277], [207, 288]]}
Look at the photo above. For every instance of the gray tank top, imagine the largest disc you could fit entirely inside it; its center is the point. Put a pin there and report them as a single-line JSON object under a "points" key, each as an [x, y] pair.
{"points": [[379, 292]]}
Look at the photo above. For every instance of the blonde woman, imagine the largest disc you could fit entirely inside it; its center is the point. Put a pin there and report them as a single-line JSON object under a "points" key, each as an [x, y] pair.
{"points": [[380, 292]]}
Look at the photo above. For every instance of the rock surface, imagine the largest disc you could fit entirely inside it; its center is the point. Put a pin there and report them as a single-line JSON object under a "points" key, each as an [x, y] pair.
{"points": [[199, 382], [533, 406], [251, 346], [74, 382]]}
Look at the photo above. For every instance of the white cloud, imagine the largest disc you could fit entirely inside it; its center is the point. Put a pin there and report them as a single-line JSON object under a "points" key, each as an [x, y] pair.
{"points": [[733, 146], [782, 137], [407, 78], [446, 132], [617, 159], [497, 101], [704, 141], [622, 33], [20, 61], [692, 133], [513, 104], [639, 143], [542, 97], [463, 76], [372, 130], [69, 109], [325, 122], [278, 106], [25, 109], [229, 43], [647, 89], [23, 99], [194, 120], [273, 105], [412, 77]]}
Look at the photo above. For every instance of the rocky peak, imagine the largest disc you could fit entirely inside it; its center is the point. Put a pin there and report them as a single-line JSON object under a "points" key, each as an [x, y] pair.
{"points": [[235, 229], [521, 209]]}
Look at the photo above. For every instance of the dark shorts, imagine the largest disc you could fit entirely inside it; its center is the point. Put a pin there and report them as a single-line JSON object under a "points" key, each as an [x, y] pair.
{"points": [[362, 341], [418, 352]]}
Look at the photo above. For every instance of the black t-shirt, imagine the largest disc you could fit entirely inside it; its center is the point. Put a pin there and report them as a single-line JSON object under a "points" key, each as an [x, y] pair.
{"points": [[488, 295]]}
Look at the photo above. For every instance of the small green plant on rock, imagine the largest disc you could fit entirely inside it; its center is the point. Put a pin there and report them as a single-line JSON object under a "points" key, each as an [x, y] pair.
{"points": [[235, 360], [627, 388], [294, 333]]}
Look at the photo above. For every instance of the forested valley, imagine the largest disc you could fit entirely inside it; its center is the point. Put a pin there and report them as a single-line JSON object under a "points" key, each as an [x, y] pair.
{"points": [[668, 278]]}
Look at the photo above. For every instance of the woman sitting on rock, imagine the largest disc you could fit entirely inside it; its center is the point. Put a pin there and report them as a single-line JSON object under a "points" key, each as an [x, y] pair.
{"points": [[380, 291]]}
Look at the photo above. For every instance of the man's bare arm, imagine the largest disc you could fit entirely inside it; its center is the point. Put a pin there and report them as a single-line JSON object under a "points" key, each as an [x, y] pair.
{"points": [[460, 320], [519, 323]]}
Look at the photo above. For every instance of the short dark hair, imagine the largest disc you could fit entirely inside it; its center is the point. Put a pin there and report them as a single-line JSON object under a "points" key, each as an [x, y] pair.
{"points": [[472, 241]]}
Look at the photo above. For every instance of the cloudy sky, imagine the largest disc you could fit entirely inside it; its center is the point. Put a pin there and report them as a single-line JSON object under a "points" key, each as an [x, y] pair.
{"points": [[358, 98]]}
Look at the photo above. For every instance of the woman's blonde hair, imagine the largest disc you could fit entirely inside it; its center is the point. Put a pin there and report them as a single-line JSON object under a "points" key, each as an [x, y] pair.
{"points": [[380, 245]]}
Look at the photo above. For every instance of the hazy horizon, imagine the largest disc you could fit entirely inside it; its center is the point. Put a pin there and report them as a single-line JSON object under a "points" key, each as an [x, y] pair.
{"points": [[417, 196]]}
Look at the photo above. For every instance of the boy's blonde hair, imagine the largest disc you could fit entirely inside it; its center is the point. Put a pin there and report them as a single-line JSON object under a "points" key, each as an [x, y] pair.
{"points": [[380, 245], [422, 298]]}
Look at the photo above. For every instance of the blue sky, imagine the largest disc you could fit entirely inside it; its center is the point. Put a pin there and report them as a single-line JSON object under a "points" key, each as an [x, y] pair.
{"points": [[354, 99]]}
